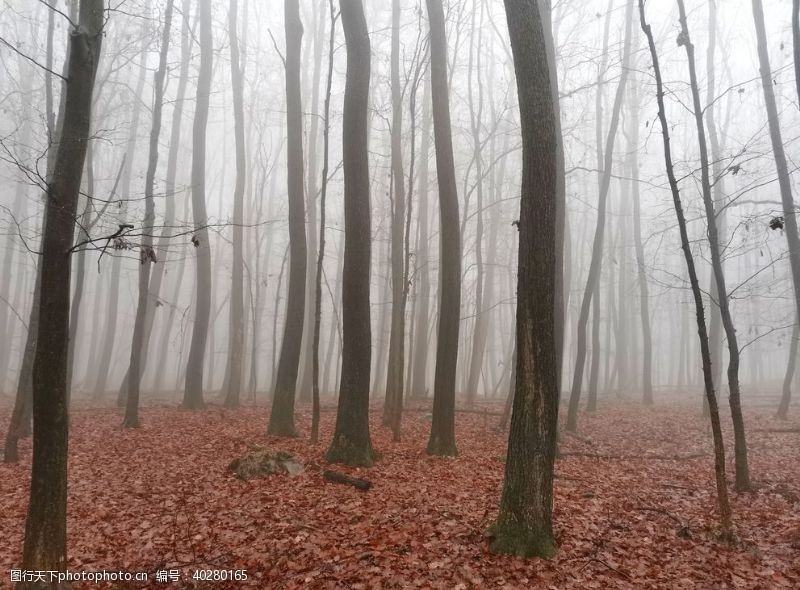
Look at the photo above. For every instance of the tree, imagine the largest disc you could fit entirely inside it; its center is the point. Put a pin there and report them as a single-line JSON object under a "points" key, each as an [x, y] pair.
{"points": [[351, 441], [442, 439], [236, 348], [396, 365], [524, 523], [784, 180], [46, 523], [147, 255], [740, 443], [723, 502], [593, 279], [281, 419], [193, 385]]}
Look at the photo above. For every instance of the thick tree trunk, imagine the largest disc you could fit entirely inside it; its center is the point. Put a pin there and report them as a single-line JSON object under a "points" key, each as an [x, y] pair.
{"points": [[46, 524], [193, 383], [719, 447], [351, 443], [740, 444], [524, 523], [147, 255], [281, 419], [236, 335], [442, 439], [786, 391]]}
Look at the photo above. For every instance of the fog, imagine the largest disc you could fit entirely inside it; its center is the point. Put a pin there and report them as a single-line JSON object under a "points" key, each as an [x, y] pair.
{"points": [[136, 274]]}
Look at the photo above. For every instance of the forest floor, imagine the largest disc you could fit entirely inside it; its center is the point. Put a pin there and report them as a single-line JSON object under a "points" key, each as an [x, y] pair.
{"points": [[634, 504]]}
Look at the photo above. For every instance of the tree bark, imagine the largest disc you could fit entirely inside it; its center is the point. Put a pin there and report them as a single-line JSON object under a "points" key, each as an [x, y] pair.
{"points": [[442, 439], [524, 523], [351, 443], [281, 419], [45, 545], [193, 383], [147, 255]]}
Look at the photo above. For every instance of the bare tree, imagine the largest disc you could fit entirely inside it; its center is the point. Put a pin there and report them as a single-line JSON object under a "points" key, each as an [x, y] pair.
{"points": [[740, 444], [281, 419], [147, 255], [236, 348], [46, 524], [708, 378], [193, 384], [442, 439], [351, 441], [524, 523]]}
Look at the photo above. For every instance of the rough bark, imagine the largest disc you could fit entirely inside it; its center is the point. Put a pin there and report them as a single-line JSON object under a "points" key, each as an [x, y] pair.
{"points": [[45, 545], [351, 443], [524, 523]]}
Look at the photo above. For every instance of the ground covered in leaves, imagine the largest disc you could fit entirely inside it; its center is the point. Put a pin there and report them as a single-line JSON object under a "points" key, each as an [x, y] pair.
{"points": [[634, 504]]}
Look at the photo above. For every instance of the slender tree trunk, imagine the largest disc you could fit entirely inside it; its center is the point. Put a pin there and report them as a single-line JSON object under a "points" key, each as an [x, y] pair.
{"points": [[236, 348], [740, 444], [281, 419], [45, 545], [708, 379], [351, 440], [393, 405], [305, 384], [593, 279], [442, 439], [321, 255], [784, 180], [524, 523], [786, 394], [418, 388], [147, 255], [641, 273], [193, 384]]}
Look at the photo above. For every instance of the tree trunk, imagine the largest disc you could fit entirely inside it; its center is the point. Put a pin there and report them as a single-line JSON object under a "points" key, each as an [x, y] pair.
{"points": [[193, 383], [641, 273], [524, 523], [740, 444], [281, 419], [46, 524], [786, 394], [351, 443], [393, 405], [442, 439], [421, 273], [147, 255], [236, 347], [784, 180], [708, 379], [593, 279]]}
